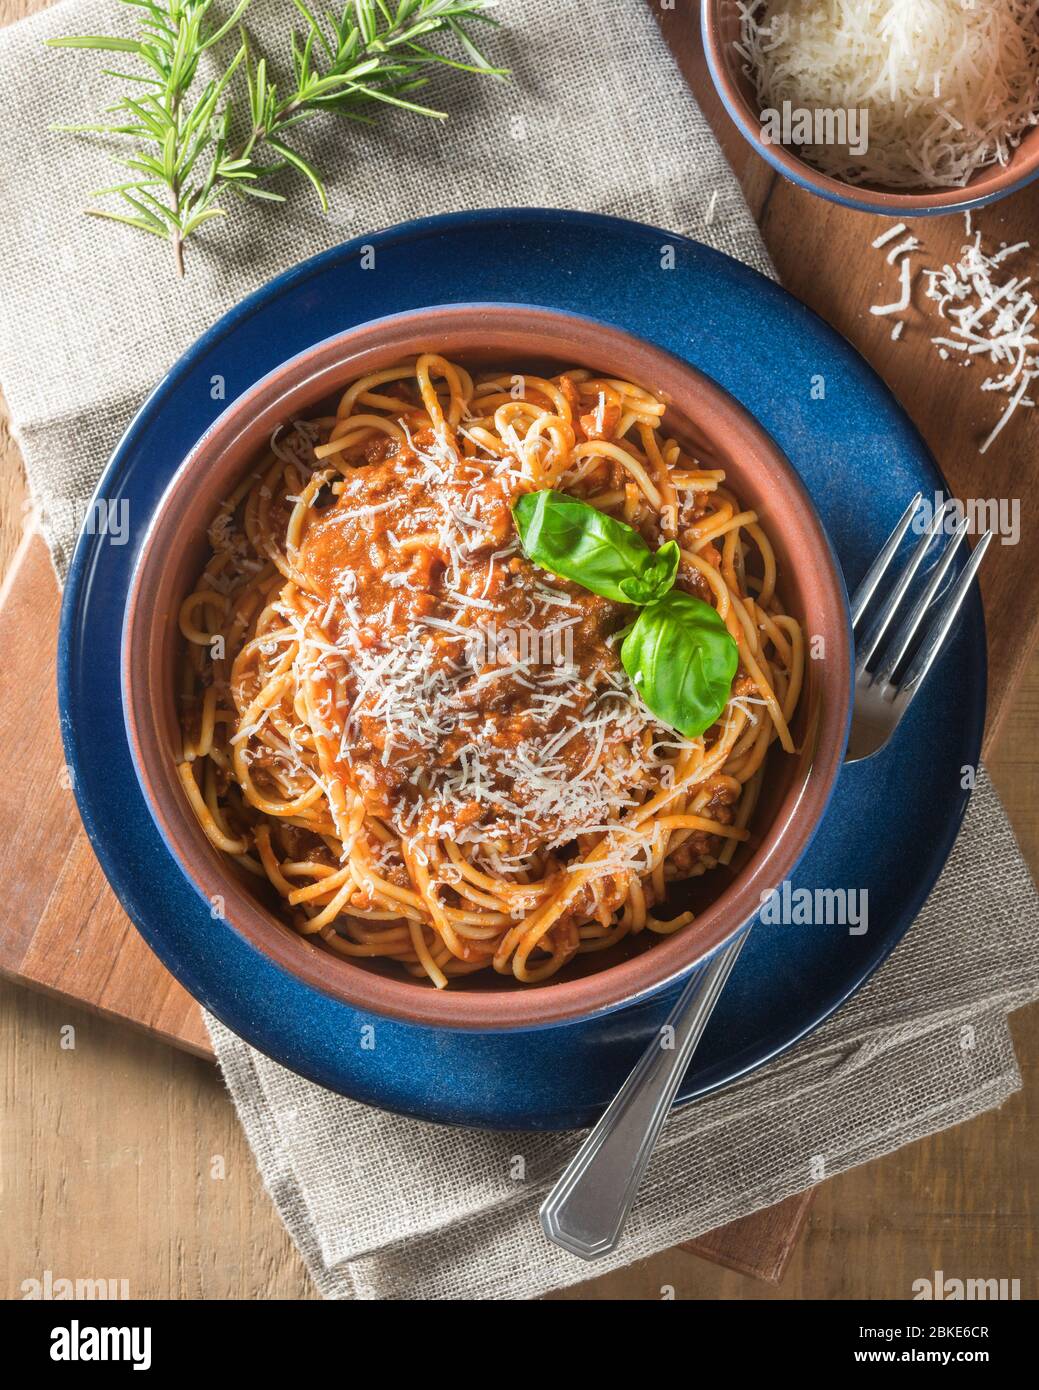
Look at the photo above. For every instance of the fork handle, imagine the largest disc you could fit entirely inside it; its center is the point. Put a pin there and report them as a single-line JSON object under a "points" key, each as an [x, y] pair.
{"points": [[586, 1209]]}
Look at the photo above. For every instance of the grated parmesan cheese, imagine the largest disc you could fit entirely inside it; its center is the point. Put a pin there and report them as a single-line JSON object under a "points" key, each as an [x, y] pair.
{"points": [[905, 284], [991, 313], [950, 87], [889, 235]]}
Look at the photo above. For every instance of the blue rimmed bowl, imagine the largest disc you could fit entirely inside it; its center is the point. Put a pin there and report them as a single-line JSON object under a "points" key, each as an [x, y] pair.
{"points": [[700, 412]]}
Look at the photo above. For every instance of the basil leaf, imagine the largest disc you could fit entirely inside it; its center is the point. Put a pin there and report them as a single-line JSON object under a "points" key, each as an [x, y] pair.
{"points": [[658, 578], [682, 660], [577, 541]]}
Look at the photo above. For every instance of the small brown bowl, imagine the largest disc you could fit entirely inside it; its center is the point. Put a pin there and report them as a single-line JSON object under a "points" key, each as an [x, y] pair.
{"points": [[720, 26], [175, 550]]}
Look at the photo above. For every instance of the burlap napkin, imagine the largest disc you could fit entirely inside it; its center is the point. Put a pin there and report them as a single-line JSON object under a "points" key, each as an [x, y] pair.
{"points": [[597, 117]]}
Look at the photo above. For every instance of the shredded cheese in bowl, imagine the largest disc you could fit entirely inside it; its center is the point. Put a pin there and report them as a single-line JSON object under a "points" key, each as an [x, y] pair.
{"points": [[950, 86]]}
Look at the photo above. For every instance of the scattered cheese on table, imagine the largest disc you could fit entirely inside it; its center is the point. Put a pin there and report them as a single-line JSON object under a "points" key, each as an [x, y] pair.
{"points": [[990, 310]]}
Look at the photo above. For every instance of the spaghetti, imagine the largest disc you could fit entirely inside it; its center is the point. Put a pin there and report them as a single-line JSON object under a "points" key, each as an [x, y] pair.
{"points": [[428, 746]]}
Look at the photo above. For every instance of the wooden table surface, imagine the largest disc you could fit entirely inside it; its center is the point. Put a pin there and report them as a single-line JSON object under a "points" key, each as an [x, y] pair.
{"points": [[109, 1142]]}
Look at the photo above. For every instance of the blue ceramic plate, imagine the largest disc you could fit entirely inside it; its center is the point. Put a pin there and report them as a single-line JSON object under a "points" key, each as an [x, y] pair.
{"points": [[889, 826]]}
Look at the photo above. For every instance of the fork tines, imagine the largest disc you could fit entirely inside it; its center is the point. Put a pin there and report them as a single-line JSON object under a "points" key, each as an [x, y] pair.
{"points": [[943, 613]]}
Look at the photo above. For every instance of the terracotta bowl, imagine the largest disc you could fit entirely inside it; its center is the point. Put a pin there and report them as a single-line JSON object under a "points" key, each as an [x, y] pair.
{"points": [[175, 549], [720, 25]]}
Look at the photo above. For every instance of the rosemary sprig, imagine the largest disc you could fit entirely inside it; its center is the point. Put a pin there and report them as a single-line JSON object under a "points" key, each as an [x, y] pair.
{"points": [[197, 145]]}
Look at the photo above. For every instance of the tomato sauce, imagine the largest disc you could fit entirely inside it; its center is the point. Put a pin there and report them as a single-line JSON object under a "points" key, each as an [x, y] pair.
{"points": [[476, 694]]}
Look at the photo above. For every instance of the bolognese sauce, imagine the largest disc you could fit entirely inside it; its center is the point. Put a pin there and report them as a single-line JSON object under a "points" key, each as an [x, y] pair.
{"points": [[427, 745]]}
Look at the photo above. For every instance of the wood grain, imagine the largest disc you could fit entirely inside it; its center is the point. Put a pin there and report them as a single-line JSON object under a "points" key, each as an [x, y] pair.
{"points": [[111, 1149], [63, 930], [760, 1245]]}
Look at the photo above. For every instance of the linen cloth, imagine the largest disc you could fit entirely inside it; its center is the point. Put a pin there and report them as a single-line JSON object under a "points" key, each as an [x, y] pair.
{"points": [[595, 116]]}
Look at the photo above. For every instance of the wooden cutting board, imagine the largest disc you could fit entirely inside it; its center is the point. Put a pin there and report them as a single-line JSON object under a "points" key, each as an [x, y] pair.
{"points": [[63, 930]]}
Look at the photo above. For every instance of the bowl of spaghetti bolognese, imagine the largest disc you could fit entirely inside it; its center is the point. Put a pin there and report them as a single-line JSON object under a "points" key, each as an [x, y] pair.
{"points": [[486, 666]]}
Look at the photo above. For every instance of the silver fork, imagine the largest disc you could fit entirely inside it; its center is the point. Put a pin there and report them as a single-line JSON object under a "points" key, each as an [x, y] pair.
{"points": [[880, 700], [586, 1210]]}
